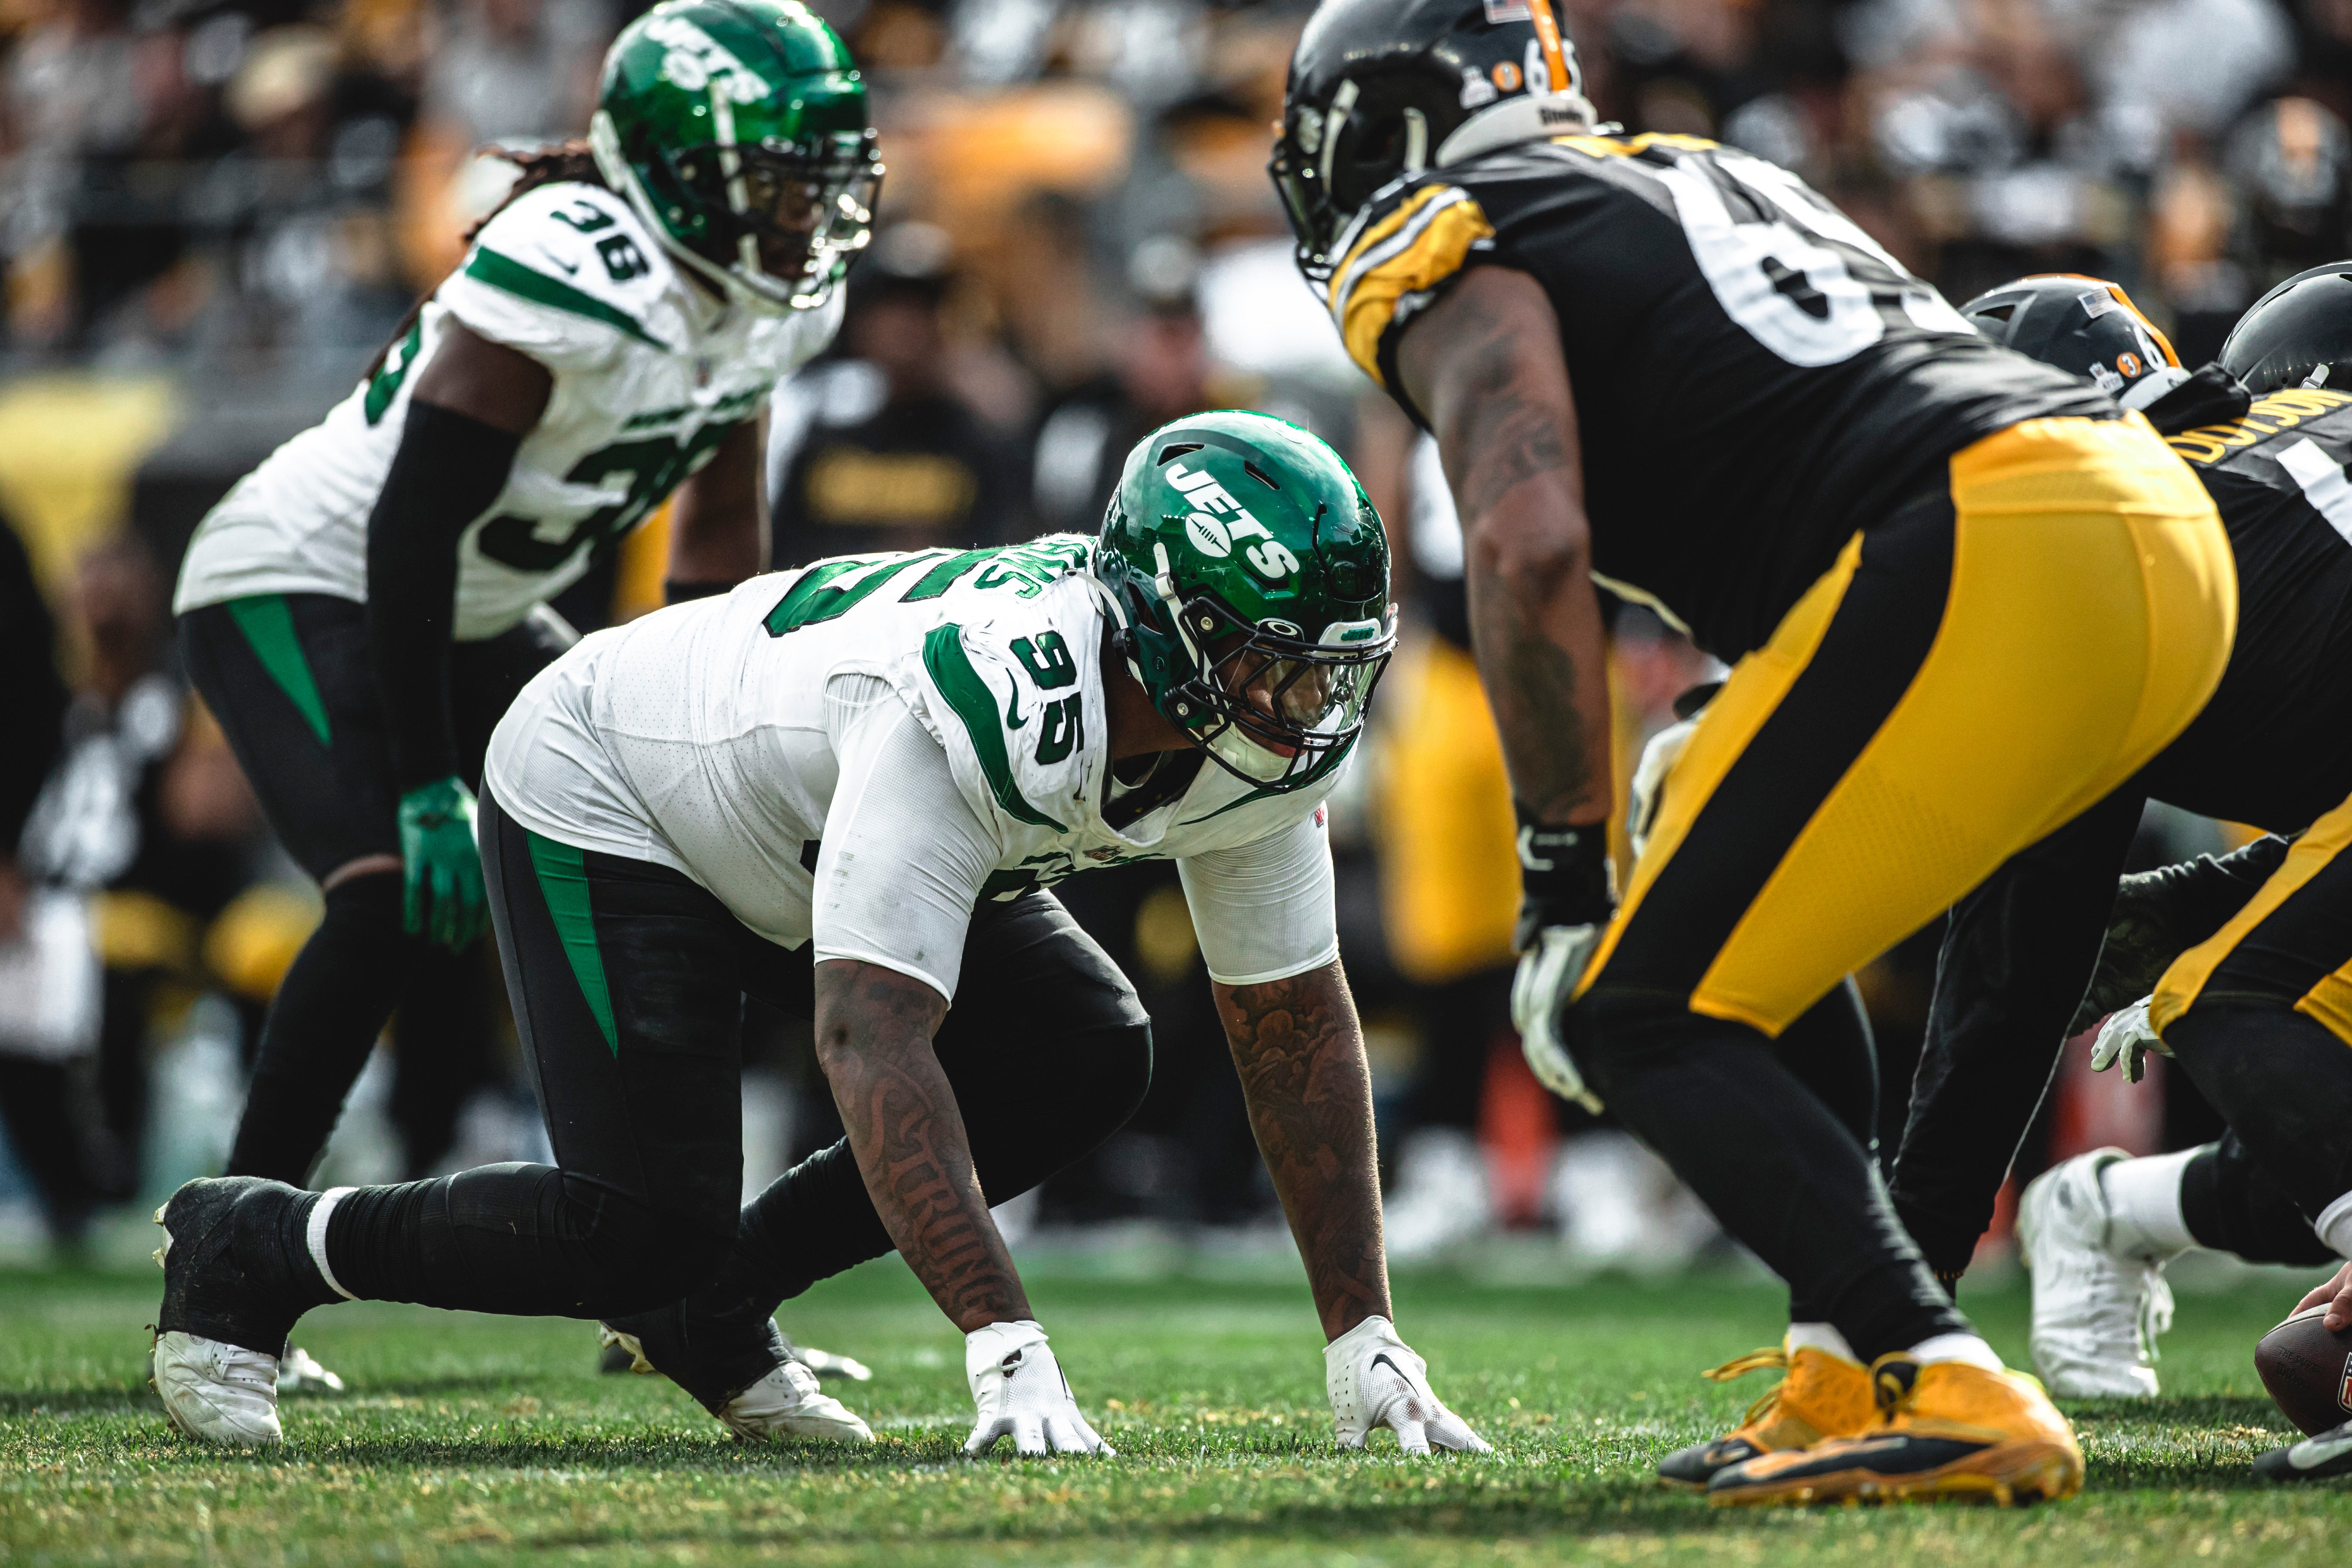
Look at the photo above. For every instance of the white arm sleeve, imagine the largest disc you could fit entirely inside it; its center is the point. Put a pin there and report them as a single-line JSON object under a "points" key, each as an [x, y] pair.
{"points": [[1264, 912], [903, 854]]}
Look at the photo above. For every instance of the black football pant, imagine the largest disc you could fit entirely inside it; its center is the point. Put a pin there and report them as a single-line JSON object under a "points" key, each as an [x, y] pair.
{"points": [[627, 981], [288, 678], [1997, 655]]}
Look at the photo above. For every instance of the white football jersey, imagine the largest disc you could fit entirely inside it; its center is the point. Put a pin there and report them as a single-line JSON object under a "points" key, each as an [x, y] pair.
{"points": [[650, 372], [712, 737]]}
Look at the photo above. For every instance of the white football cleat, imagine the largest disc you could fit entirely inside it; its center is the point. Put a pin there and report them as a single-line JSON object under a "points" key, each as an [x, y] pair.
{"points": [[2099, 1303], [787, 1404], [299, 1372], [217, 1393]]}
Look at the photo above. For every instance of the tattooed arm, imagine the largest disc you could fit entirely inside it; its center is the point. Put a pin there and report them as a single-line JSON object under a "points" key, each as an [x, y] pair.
{"points": [[1484, 366], [874, 1029], [1300, 1053]]}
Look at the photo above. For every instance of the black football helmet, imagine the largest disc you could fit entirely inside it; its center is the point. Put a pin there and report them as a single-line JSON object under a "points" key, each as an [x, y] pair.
{"points": [[2298, 334], [1382, 88], [2086, 326]]}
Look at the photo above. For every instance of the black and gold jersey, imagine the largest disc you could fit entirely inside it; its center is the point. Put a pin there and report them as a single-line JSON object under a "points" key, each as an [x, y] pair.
{"points": [[1755, 377], [2273, 747]]}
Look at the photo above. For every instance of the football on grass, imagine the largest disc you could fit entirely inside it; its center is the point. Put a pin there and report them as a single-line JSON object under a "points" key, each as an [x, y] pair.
{"points": [[2308, 1371]]}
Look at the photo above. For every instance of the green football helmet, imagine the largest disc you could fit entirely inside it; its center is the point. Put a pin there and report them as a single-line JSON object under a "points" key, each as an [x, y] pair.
{"points": [[1250, 578], [738, 131]]}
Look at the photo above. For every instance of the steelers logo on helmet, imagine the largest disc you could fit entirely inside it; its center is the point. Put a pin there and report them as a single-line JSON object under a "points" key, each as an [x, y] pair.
{"points": [[1380, 89], [2085, 326], [1249, 579]]}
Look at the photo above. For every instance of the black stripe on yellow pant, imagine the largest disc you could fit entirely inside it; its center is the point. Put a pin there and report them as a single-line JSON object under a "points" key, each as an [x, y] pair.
{"points": [[2290, 946], [1972, 673]]}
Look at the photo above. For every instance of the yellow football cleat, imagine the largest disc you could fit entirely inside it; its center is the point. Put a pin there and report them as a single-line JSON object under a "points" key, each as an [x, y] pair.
{"points": [[1950, 1430], [1823, 1395]]}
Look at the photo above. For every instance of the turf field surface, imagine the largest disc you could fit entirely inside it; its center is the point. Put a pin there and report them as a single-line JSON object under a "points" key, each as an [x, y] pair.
{"points": [[480, 1440]]}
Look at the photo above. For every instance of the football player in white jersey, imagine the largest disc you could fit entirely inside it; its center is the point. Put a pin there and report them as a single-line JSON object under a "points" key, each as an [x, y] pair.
{"points": [[844, 790], [360, 609]]}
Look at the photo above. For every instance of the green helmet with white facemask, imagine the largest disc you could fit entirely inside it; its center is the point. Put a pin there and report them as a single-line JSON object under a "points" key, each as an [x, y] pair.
{"points": [[738, 131], [1251, 578]]}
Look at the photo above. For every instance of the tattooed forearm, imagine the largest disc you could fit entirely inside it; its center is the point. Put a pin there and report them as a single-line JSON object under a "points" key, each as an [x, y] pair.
{"points": [[1300, 1053], [1484, 366], [874, 1028]]}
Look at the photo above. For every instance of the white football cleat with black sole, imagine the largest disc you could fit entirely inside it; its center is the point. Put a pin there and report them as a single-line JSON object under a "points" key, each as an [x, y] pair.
{"points": [[2099, 1304], [2316, 1459]]}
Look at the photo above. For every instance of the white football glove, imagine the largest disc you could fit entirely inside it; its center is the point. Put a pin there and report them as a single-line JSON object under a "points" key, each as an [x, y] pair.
{"points": [[2129, 1035], [1375, 1379], [1658, 759], [1022, 1394], [1546, 977]]}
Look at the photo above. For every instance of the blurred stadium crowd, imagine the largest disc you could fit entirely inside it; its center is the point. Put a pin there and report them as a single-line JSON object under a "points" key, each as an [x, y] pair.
{"points": [[212, 211]]}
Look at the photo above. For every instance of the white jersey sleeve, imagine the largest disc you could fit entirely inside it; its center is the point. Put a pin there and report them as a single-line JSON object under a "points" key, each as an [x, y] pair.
{"points": [[565, 275], [1265, 910], [904, 854]]}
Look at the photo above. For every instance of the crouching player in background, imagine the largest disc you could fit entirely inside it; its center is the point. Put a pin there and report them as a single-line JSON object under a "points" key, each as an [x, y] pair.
{"points": [[843, 790]]}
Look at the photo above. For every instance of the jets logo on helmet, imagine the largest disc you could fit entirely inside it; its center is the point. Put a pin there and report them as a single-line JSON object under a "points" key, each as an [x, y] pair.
{"points": [[1380, 91], [1249, 579], [1214, 535], [738, 131]]}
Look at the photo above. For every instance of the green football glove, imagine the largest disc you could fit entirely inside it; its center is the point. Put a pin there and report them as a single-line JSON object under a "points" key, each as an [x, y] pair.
{"points": [[444, 899]]}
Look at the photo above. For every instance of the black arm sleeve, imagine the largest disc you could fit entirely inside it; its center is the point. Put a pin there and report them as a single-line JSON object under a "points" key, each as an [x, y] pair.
{"points": [[2017, 955], [32, 697], [449, 468], [2161, 914]]}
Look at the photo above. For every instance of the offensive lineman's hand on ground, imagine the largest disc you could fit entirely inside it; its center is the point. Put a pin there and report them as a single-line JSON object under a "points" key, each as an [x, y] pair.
{"points": [[1022, 1394], [1375, 1379]]}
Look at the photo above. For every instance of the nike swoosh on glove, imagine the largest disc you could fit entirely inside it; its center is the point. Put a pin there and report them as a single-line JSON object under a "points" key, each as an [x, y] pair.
{"points": [[1022, 1394], [1375, 1379], [2128, 1035], [1545, 979]]}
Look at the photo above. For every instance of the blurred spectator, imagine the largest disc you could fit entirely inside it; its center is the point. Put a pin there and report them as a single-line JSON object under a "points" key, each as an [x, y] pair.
{"points": [[1160, 371], [518, 72], [874, 449], [143, 833]]}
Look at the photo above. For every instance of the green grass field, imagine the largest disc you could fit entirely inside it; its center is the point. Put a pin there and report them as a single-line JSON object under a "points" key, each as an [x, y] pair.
{"points": [[476, 1440]]}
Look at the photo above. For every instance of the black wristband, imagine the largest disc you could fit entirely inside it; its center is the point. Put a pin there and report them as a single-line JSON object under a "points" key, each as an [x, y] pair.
{"points": [[448, 470], [678, 592], [1564, 876]]}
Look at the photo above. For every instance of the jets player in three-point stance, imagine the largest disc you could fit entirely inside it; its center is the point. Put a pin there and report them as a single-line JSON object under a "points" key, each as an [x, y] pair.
{"points": [[843, 790], [1963, 598], [361, 608]]}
